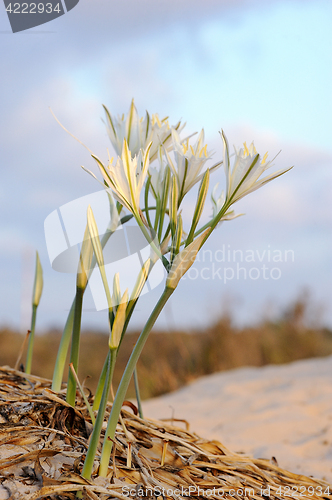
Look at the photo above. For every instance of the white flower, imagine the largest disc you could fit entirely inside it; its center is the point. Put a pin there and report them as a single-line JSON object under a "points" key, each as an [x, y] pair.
{"points": [[189, 162], [127, 176], [248, 166], [139, 132]]}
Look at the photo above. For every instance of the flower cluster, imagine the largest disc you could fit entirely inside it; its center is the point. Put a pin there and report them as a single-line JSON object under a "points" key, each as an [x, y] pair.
{"points": [[151, 153], [139, 132]]}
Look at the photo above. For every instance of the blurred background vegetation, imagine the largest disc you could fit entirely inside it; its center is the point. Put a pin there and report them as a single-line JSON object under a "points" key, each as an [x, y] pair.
{"points": [[172, 359]]}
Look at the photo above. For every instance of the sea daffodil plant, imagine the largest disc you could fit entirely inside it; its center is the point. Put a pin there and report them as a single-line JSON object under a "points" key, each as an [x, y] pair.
{"points": [[166, 172], [153, 171]]}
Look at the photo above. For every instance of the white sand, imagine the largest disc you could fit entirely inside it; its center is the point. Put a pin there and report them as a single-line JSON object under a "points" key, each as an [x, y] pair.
{"points": [[283, 411]]}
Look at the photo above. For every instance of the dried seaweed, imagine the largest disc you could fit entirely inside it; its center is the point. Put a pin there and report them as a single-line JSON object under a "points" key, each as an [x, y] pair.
{"points": [[43, 442]]}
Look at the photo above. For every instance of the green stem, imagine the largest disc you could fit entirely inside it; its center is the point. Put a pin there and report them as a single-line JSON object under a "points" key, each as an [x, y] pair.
{"points": [[101, 383], [31, 340], [130, 309], [168, 230], [215, 221], [86, 401], [63, 349], [126, 377], [156, 220], [75, 344], [146, 201], [148, 237], [138, 395], [94, 440], [161, 225]]}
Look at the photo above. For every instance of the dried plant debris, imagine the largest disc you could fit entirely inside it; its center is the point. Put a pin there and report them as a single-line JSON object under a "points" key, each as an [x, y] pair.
{"points": [[43, 442]]}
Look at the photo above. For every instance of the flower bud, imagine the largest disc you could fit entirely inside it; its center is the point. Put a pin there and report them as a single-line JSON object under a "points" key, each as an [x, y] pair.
{"points": [[184, 260], [38, 284], [85, 260], [119, 322]]}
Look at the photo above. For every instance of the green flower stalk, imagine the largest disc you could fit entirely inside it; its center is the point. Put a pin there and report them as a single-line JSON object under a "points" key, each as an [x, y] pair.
{"points": [[141, 280], [114, 340], [37, 291], [125, 380], [101, 383], [95, 436], [81, 282], [202, 193], [138, 395], [182, 262], [177, 239], [173, 205], [163, 201], [63, 350]]}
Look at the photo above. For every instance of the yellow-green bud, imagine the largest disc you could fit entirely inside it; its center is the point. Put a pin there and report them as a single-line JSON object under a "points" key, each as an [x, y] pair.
{"points": [[184, 260], [38, 284]]}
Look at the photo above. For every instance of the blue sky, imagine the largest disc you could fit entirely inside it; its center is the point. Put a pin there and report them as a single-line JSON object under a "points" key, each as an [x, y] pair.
{"points": [[260, 71]]}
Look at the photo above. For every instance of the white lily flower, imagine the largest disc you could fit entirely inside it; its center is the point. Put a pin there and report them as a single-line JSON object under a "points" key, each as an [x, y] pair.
{"points": [[127, 176], [139, 132], [189, 161], [248, 166]]}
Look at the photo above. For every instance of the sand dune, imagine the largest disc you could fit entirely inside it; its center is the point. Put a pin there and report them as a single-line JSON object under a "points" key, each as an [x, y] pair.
{"points": [[283, 411]]}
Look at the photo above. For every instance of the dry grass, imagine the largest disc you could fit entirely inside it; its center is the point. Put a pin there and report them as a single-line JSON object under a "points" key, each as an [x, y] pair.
{"points": [[183, 356], [43, 442]]}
